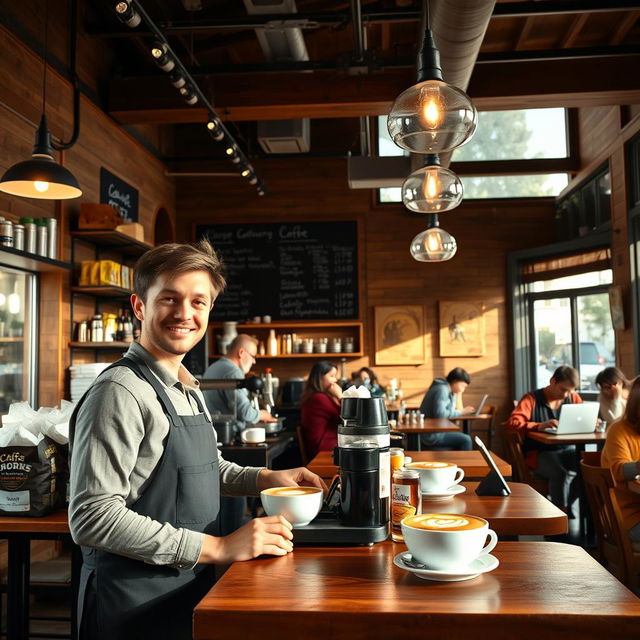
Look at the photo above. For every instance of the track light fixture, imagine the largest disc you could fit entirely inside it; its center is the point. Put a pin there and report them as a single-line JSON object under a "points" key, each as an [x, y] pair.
{"points": [[162, 56], [127, 14], [132, 13]]}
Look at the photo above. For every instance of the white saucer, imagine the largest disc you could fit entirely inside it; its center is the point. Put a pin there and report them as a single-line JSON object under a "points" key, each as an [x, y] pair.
{"points": [[454, 490], [482, 564]]}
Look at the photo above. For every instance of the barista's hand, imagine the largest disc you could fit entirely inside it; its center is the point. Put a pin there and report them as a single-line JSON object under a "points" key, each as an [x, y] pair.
{"points": [[289, 478], [271, 535], [265, 416]]}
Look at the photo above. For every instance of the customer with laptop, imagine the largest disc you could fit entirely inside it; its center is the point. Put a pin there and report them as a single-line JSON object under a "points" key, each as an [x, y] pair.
{"points": [[440, 402], [539, 410]]}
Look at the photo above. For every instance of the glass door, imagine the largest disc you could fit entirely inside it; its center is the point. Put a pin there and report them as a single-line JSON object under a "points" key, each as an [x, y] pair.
{"points": [[18, 337]]}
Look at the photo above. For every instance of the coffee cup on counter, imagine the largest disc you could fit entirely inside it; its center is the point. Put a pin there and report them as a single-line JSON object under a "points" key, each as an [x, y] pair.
{"points": [[446, 541], [298, 505], [225, 431], [437, 477], [253, 435]]}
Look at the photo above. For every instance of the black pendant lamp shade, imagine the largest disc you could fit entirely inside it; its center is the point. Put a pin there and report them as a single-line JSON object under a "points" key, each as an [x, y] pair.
{"points": [[41, 177]]}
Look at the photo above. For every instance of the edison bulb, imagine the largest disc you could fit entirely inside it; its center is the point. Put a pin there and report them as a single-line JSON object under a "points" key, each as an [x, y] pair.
{"points": [[40, 186], [433, 245], [432, 189], [431, 107]]}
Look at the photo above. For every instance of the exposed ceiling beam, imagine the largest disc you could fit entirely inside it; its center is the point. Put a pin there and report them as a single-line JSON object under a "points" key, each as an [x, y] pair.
{"points": [[567, 83], [524, 32], [574, 30], [624, 26]]}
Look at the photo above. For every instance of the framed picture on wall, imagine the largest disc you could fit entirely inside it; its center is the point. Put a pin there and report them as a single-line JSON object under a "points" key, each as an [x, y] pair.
{"points": [[462, 329], [399, 334]]}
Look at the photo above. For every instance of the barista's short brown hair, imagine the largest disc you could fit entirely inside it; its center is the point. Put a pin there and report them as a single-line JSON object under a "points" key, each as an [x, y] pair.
{"points": [[178, 258]]}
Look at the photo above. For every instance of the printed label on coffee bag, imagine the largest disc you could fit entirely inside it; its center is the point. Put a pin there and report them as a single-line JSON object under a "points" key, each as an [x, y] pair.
{"points": [[14, 501], [15, 466]]}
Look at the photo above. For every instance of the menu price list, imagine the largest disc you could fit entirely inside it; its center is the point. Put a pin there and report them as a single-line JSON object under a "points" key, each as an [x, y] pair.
{"points": [[295, 270]]}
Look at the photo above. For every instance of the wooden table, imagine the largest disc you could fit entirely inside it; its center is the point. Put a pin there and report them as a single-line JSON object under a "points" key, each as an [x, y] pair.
{"points": [[19, 531], [257, 455], [540, 590], [524, 513], [429, 425], [580, 440], [466, 420], [471, 461]]}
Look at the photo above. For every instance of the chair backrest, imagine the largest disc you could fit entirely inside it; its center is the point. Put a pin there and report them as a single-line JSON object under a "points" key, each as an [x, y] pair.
{"points": [[301, 446], [613, 539], [513, 446]]}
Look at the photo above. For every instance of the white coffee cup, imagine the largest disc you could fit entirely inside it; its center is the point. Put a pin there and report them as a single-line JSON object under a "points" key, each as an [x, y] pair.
{"points": [[253, 435], [447, 541], [437, 477], [299, 505]]}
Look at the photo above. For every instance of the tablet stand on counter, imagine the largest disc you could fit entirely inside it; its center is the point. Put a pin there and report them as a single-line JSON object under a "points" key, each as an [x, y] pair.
{"points": [[493, 483]]}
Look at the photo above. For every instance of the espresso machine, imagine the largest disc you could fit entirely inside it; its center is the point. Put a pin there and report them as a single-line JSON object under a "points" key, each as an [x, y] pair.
{"points": [[357, 507]]}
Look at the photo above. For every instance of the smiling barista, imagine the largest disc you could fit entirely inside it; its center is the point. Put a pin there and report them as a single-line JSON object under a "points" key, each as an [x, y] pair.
{"points": [[146, 475]]}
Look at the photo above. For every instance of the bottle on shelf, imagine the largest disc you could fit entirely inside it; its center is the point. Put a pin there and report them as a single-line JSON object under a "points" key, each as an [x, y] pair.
{"points": [[272, 343], [129, 330], [343, 382]]}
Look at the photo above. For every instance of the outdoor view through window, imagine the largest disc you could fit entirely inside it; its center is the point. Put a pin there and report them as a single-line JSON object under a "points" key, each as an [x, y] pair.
{"points": [[502, 135]]}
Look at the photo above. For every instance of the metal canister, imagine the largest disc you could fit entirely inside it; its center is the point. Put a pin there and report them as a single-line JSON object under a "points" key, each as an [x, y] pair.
{"points": [[6, 233], [41, 244], [52, 240], [30, 237], [18, 237]]}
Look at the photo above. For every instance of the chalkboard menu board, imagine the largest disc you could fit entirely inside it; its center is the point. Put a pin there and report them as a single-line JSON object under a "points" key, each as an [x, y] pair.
{"points": [[293, 270], [119, 193]]}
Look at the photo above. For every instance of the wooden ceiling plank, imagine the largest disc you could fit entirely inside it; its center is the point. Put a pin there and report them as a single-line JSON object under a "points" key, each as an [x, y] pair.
{"points": [[574, 30], [524, 33], [625, 25]]}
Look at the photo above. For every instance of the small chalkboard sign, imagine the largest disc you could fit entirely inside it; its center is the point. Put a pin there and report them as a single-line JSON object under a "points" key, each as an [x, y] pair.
{"points": [[288, 270], [117, 192]]}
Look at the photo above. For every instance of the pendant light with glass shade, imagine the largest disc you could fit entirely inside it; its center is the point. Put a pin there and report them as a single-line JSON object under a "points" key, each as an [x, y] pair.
{"points": [[433, 244], [41, 177], [432, 188], [432, 116]]}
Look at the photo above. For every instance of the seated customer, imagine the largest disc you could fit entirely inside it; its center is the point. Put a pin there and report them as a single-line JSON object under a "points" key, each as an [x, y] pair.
{"points": [[538, 410], [368, 378], [621, 454], [440, 402], [613, 394], [320, 410]]}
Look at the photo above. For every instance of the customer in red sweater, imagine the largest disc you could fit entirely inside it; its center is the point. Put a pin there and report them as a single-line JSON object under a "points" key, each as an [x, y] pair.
{"points": [[320, 411]]}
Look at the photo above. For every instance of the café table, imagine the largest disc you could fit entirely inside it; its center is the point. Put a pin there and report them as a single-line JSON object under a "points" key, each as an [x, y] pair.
{"points": [[540, 590], [523, 513], [429, 425], [467, 420], [257, 455], [472, 462], [19, 531], [580, 440]]}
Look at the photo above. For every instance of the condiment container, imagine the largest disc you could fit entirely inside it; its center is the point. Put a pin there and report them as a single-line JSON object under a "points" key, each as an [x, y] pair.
{"points": [[405, 499], [18, 237], [6, 233], [52, 238]]}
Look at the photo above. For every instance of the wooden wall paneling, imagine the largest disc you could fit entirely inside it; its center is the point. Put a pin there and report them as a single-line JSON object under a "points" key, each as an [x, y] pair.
{"points": [[597, 127]]}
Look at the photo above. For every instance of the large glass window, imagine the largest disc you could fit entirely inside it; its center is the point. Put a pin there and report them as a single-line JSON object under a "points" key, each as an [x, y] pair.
{"points": [[571, 325]]}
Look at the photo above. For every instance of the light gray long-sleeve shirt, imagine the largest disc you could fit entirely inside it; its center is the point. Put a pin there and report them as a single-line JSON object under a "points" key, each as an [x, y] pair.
{"points": [[221, 400], [117, 441]]}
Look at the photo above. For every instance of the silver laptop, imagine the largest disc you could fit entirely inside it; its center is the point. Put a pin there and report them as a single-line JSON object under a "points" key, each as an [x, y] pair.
{"points": [[482, 403], [577, 418]]}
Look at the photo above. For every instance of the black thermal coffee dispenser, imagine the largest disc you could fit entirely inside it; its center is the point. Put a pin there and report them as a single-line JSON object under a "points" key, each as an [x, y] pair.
{"points": [[357, 507], [362, 456]]}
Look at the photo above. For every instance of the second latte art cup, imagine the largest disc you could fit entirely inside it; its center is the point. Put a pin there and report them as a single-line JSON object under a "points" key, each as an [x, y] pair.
{"points": [[437, 477], [447, 541]]}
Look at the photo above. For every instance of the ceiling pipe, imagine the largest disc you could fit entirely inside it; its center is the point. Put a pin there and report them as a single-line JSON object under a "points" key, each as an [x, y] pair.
{"points": [[359, 44]]}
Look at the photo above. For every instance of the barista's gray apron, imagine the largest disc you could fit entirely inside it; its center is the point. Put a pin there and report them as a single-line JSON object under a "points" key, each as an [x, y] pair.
{"points": [[123, 599]]}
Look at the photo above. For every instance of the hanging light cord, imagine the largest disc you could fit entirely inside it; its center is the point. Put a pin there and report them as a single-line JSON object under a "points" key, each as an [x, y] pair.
{"points": [[44, 58]]}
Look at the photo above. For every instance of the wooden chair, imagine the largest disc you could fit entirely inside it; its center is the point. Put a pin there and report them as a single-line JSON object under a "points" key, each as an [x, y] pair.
{"points": [[301, 446], [523, 473], [614, 544], [490, 414]]}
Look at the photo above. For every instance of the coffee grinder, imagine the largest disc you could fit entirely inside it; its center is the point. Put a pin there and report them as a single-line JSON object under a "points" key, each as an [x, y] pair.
{"points": [[357, 510]]}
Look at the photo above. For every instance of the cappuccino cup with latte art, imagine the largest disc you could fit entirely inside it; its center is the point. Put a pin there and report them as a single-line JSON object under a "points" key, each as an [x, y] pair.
{"points": [[298, 505], [447, 541], [437, 477]]}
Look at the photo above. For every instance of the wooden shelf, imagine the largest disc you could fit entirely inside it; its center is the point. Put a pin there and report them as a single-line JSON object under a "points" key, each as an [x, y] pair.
{"points": [[112, 239], [100, 345], [20, 339], [11, 257], [294, 324], [104, 291]]}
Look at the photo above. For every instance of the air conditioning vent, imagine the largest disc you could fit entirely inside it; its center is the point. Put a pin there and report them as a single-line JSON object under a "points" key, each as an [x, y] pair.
{"points": [[284, 136]]}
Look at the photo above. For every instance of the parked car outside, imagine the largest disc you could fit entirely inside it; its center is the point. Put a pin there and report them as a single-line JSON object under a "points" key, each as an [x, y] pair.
{"points": [[593, 358]]}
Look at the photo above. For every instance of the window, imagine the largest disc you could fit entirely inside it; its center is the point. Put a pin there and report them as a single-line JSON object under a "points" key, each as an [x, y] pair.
{"points": [[570, 324], [518, 186]]}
